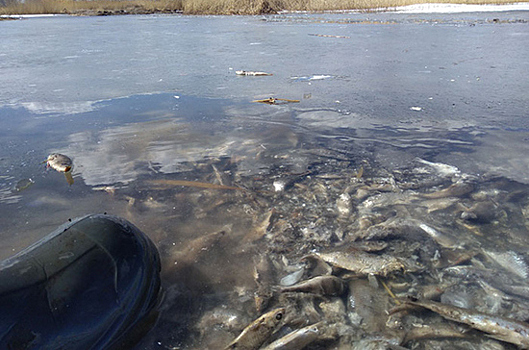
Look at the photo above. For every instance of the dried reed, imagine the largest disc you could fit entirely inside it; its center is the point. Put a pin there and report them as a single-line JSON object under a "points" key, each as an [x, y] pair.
{"points": [[214, 7]]}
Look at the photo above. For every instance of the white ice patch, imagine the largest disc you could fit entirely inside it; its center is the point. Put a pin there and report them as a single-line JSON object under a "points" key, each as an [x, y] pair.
{"points": [[59, 107], [31, 16], [313, 77], [458, 8]]}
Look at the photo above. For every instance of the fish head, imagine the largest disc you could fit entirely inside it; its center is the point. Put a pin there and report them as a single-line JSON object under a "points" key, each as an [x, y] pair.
{"points": [[275, 317]]}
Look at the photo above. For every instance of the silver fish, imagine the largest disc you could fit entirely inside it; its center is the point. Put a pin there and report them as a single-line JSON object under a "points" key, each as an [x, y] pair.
{"points": [[363, 263], [257, 332], [500, 328], [510, 261], [297, 339], [441, 238], [321, 285]]}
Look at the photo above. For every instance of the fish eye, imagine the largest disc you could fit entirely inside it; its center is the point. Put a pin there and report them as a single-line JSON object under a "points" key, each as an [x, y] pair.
{"points": [[279, 316]]}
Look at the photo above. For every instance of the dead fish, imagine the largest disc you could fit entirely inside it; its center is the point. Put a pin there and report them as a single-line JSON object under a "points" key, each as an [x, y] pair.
{"points": [[427, 332], [371, 246], [459, 189], [510, 261], [168, 183], [443, 239], [297, 339], [481, 212], [62, 164], [500, 328], [263, 275], [363, 263], [321, 285], [260, 229], [196, 247], [442, 169], [433, 291], [433, 205], [257, 332], [59, 162]]}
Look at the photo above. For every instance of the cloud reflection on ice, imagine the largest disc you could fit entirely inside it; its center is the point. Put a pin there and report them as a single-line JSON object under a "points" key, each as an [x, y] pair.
{"points": [[124, 153], [60, 107]]}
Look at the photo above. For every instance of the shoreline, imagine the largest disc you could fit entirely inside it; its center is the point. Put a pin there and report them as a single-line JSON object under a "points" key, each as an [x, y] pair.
{"points": [[145, 8]]}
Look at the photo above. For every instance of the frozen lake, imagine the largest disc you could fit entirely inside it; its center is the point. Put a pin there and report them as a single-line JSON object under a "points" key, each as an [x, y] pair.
{"points": [[140, 101]]}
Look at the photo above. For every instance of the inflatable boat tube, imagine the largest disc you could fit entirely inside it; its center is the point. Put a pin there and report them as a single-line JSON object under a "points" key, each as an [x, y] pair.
{"points": [[93, 283]]}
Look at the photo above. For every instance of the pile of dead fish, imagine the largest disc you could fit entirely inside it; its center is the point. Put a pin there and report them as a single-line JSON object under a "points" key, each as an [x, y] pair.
{"points": [[347, 255], [420, 258]]}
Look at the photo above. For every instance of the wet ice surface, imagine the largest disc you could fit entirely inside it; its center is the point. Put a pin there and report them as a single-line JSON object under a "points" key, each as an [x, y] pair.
{"points": [[410, 132]]}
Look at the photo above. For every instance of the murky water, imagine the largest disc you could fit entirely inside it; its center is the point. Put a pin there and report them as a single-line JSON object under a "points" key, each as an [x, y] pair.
{"points": [[387, 102]]}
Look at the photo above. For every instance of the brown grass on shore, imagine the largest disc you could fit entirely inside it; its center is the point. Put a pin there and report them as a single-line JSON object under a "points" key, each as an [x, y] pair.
{"points": [[335, 5], [91, 7], [215, 7]]}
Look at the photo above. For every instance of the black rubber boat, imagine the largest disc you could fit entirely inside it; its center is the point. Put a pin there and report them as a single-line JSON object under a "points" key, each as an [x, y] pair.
{"points": [[93, 283]]}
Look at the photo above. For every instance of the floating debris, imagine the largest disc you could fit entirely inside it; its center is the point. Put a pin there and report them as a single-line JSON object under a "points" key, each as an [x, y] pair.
{"points": [[274, 101]]}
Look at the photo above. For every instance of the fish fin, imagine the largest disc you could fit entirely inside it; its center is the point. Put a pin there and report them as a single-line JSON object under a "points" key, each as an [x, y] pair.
{"points": [[69, 177]]}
